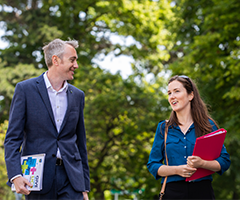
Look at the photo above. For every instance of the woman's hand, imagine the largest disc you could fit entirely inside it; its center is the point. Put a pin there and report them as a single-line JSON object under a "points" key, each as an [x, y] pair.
{"points": [[195, 161], [186, 171]]}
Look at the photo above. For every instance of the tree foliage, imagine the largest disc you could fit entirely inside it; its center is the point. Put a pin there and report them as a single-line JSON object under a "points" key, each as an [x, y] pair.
{"points": [[198, 38], [30, 24], [5, 193], [8, 80], [207, 45], [120, 115]]}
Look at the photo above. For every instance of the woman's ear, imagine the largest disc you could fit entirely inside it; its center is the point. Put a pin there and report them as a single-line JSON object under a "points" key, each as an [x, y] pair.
{"points": [[191, 96]]}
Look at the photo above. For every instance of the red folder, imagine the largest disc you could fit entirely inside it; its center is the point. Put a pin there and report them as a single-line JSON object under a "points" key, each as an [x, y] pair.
{"points": [[208, 147]]}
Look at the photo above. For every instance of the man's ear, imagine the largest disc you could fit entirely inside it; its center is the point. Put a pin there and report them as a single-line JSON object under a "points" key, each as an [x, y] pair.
{"points": [[55, 60]]}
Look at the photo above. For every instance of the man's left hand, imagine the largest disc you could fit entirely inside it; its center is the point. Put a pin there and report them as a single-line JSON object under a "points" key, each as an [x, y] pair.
{"points": [[85, 196]]}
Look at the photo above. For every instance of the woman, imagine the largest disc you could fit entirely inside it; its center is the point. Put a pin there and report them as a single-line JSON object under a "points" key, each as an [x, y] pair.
{"points": [[189, 119]]}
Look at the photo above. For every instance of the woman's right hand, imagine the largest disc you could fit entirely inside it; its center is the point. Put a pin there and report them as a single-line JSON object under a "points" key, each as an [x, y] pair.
{"points": [[185, 171], [181, 170]]}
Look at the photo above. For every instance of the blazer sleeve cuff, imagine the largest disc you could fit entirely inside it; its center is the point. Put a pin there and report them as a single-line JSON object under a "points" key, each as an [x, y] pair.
{"points": [[11, 180]]}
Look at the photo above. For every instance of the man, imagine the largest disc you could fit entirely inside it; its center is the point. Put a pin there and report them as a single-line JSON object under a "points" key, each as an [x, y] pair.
{"points": [[46, 116]]}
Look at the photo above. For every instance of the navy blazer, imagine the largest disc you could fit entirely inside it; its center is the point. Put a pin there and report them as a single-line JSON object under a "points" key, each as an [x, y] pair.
{"points": [[32, 130]]}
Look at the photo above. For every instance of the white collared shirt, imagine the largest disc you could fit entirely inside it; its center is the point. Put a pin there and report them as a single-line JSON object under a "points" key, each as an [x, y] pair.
{"points": [[58, 100]]}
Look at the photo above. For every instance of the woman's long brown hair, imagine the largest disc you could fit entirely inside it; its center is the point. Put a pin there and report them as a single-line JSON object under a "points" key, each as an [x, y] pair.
{"points": [[199, 109]]}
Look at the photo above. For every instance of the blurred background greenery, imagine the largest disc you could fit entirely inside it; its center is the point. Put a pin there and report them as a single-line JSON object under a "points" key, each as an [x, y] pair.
{"points": [[198, 38]]}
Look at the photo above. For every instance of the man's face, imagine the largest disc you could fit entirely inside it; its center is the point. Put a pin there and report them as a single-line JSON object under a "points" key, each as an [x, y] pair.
{"points": [[68, 64]]}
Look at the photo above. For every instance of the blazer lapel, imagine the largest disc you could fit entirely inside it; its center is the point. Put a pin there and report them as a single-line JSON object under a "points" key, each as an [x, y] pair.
{"points": [[43, 92], [70, 101]]}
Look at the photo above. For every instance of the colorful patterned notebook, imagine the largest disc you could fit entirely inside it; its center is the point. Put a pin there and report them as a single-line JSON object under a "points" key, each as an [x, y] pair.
{"points": [[32, 170]]}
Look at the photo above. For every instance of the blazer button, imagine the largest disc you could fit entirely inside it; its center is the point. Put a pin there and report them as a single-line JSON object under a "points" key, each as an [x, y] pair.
{"points": [[53, 155]]}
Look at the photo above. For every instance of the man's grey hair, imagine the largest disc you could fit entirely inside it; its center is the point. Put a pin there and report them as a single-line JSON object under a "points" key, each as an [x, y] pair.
{"points": [[56, 47]]}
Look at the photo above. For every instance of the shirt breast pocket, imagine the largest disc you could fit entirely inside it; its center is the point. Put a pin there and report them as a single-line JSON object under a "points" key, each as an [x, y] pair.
{"points": [[173, 150], [172, 140]]}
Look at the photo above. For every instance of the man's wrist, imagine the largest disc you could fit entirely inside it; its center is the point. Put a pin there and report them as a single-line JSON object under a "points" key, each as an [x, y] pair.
{"points": [[11, 180]]}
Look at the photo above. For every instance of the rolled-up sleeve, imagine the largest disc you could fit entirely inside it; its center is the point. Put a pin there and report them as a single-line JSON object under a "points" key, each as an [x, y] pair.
{"points": [[157, 153], [224, 160]]}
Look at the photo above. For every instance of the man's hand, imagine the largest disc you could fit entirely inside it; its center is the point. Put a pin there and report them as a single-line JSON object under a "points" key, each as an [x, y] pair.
{"points": [[20, 185], [85, 196]]}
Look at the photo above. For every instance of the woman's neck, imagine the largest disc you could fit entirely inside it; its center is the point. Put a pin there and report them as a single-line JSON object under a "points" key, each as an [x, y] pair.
{"points": [[184, 117], [185, 121]]}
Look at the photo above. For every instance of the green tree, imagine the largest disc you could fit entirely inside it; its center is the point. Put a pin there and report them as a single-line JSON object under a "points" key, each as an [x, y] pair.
{"points": [[5, 191], [207, 49], [3, 174], [29, 24], [9, 77], [121, 117]]}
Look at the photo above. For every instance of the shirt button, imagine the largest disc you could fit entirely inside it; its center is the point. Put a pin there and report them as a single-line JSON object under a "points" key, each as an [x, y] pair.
{"points": [[184, 138], [58, 120], [184, 156], [185, 147], [57, 106]]}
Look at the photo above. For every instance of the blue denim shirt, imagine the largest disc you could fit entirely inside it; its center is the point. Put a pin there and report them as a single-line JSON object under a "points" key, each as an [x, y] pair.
{"points": [[179, 147]]}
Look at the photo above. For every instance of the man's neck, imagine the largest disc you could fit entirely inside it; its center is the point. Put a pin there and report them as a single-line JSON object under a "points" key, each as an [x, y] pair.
{"points": [[55, 81]]}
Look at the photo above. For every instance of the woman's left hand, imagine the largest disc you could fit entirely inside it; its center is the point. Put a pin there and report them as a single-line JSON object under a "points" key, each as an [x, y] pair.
{"points": [[195, 161]]}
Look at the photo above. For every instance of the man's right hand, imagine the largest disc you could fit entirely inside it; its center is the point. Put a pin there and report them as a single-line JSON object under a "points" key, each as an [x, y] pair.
{"points": [[20, 185]]}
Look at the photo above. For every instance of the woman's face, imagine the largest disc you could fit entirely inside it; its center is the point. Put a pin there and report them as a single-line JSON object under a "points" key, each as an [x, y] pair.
{"points": [[178, 97]]}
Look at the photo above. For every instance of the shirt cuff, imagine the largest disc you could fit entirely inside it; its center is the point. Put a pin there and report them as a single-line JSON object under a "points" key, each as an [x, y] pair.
{"points": [[11, 180]]}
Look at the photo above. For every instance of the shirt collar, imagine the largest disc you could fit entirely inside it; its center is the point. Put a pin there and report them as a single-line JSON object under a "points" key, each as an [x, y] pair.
{"points": [[48, 84], [175, 126]]}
